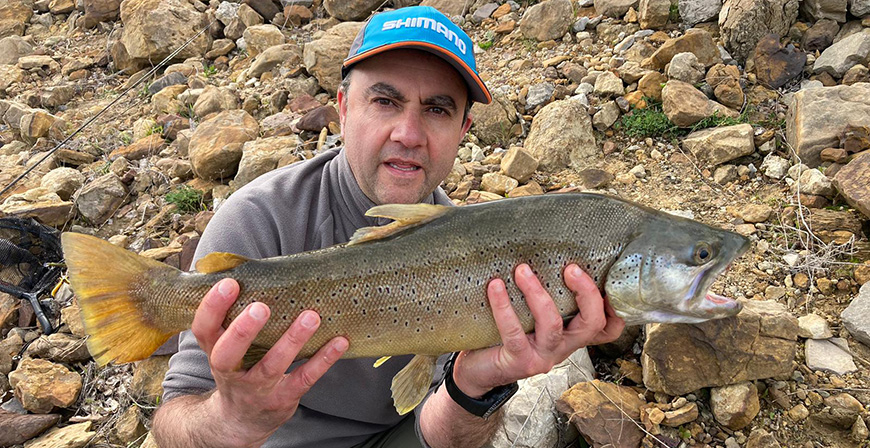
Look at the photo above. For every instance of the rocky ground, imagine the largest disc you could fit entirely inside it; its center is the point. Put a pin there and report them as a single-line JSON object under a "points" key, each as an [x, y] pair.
{"points": [[750, 115]]}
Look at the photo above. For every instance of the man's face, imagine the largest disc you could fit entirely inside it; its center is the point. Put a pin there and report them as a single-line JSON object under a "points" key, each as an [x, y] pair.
{"points": [[402, 122]]}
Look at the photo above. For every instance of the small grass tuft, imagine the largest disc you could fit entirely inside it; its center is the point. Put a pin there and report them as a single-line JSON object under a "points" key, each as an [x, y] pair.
{"points": [[186, 199], [649, 122], [210, 71]]}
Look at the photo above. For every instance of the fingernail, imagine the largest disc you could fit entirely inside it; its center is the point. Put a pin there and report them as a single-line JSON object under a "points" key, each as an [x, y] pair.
{"points": [[525, 270], [575, 270], [225, 288], [340, 345], [498, 286], [308, 320], [257, 311]]}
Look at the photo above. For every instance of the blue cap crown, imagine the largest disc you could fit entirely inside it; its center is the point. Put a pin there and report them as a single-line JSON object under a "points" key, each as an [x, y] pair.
{"points": [[423, 28]]}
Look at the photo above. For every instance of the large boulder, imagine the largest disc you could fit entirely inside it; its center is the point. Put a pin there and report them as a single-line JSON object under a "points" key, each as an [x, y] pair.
{"points": [[817, 118], [685, 105], [323, 57], [562, 136], [450, 8], [153, 29], [216, 146], [351, 10], [599, 410], [215, 99], [263, 155], [14, 15], [843, 55], [758, 343], [715, 146], [288, 54], [742, 23], [547, 20], [697, 41], [654, 13]]}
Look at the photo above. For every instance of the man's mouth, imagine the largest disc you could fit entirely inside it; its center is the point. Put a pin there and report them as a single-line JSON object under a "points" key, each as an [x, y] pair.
{"points": [[406, 167]]}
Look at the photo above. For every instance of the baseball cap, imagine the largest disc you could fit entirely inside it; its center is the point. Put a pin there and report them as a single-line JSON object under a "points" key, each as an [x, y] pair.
{"points": [[422, 28]]}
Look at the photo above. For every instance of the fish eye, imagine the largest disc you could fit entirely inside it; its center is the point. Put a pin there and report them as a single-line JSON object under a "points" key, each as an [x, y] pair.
{"points": [[703, 253]]}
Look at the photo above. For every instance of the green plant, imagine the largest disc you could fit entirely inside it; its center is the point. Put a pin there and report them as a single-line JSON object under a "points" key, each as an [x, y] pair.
{"points": [[125, 137], [155, 129], [488, 40], [649, 122], [186, 199], [210, 71], [529, 44], [674, 13]]}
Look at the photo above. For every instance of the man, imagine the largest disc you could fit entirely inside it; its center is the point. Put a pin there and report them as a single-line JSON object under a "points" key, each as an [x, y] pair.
{"points": [[404, 111]]}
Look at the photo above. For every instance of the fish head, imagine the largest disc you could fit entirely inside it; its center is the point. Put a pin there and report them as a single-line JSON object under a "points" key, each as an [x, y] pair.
{"points": [[665, 272]]}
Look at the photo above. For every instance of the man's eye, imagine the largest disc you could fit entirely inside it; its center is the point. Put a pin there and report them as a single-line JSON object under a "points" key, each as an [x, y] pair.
{"points": [[383, 101], [439, 110]]}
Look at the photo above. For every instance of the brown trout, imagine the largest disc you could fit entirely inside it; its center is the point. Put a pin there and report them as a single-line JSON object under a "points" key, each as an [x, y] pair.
{"points": [[418, 285]]}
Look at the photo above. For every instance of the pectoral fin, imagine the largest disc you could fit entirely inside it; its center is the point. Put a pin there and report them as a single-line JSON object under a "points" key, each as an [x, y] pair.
{"points": [[219, 261], [381, 360], [411, 384], [404, 215]]}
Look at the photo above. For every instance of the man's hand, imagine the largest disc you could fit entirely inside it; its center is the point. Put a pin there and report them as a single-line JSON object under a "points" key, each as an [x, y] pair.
{"points": [[521, 355], [253, 404]]}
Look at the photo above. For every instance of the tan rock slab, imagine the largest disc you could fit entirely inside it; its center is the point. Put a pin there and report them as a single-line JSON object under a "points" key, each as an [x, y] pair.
{"points": [[216, 146], [685, 105], [760, 342], [590, 407], [145, 147], [696, 41], [41, 385], [72, 436]]}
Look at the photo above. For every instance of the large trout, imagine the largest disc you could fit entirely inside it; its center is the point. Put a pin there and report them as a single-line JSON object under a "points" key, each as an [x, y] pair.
{"points": [[418, 285]]}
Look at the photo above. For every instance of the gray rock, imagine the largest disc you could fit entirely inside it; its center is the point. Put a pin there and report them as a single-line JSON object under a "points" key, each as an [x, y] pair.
{"points": [[483, 13], [349, 10], [697, 11], [260, 37], [856, 317], [614, 8], [539, 94], [735, 405], [814, 182], [273, 56], [530, 415], [12, 48], [547, 20], [830, 355], [562, 136], [172, 79], [227, 11], [99, 199], [860, 8], [686, 67], [155, 28], [654, 13], [825, 9], [606, 116], [263, 155], [841, 56], [493, 122]]}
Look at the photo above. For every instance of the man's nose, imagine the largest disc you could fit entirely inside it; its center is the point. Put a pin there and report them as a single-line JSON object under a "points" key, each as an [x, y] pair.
{"points": [[408, 130]]}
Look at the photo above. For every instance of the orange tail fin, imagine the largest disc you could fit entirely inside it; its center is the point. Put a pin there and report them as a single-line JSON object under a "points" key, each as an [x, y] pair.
{"points": [[102, 275]]}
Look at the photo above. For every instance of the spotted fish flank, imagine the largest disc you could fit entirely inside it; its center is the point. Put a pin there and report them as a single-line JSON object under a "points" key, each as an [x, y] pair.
{"points": [[418, 285]]}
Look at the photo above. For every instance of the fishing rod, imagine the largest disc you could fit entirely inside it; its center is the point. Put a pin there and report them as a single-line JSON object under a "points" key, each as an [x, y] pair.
{"points": [[150, 73]]}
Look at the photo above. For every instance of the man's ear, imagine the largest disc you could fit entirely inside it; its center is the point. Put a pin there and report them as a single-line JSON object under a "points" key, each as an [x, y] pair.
{"points": [[467, 125], [342, 109]]}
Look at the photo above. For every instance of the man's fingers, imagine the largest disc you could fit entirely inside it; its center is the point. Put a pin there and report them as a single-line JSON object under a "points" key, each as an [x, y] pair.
{"points": [[548, 321], [232, 345], [589, 300], [510, 329], [282, 354], [210, 315], [300, 380]]}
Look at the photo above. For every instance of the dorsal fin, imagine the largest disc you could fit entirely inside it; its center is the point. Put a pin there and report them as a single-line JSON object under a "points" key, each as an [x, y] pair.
{"points": [[219, 261], [404, 216]]}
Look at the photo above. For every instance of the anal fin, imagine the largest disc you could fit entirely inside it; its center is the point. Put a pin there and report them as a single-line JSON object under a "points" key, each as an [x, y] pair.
{"points": [[381, 360], [412, 383]]}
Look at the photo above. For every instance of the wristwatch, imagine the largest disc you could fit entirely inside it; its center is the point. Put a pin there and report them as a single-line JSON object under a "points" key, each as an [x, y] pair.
{"points": [[483, 406]]}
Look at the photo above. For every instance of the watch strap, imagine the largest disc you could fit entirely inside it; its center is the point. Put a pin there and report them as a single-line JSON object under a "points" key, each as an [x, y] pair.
{"points": [[484, 406]]}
